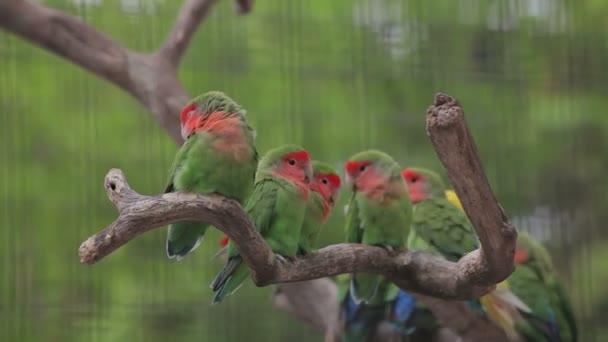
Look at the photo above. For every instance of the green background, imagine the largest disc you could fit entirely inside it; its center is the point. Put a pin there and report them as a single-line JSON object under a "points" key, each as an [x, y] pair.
{"points": [[334, 76]]}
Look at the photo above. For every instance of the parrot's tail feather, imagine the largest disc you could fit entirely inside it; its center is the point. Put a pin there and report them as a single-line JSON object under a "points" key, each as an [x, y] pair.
{"points": [[230, 279], [510, 298], [363, 287], [184, 237], [225, 273], [222, 251], [505, 308]]}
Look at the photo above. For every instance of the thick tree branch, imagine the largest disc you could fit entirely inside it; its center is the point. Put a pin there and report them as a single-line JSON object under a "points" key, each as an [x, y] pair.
{"points": [[67, 37], [455, 147], [413, 270], [150, 78], [190, 16], [314, 302]]}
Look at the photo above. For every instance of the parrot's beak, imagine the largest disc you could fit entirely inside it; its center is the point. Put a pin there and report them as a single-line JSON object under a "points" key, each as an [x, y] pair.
{"points": [[350, 182], [335, 195], [308, 173], [184, 132]]}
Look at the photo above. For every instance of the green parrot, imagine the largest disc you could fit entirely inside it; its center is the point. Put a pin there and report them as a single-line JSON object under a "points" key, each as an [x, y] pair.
{"points": [[440, 227], [379, 213], [535, 281], [325, 190], [276, 208], [325, 186], [218, 156]]}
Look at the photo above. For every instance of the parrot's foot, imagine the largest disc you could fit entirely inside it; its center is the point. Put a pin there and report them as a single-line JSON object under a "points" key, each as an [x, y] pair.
{"points": [[388, 248], [284, 259]]}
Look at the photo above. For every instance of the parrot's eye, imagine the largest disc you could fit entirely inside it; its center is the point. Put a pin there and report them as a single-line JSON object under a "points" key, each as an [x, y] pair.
{"points": [[325, 181], [292, 162], [362, 168], [414, 179], [190, 113]]}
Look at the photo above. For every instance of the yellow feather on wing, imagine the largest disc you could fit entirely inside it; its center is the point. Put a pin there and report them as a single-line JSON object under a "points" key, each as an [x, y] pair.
{"points": [[452, 197]]}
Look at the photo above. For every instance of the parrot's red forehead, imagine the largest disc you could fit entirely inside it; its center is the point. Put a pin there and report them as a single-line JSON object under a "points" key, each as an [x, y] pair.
{"points": [[332, 178], [410, 174], [301, 156], [184, 115], [352, 166]]}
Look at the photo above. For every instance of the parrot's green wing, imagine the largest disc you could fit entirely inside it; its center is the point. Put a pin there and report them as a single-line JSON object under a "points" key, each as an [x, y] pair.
{"points": [[526, 283], [354, 233], [177, 163], [311, 226], [543, 265], [261, 204], [566, 323], [442, 226], [261, 209], [363, 286], [182, 237]]}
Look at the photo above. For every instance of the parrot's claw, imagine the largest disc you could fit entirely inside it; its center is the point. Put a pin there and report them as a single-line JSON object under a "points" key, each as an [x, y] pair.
{"points": [[388, 248], [284, 259]]}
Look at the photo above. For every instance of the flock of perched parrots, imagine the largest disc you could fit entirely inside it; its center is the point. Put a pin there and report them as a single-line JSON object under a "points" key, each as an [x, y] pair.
{"points": [[288, 198]]}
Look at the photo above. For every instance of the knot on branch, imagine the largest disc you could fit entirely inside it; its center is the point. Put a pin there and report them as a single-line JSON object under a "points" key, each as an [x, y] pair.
{"points": [[117, 188]]}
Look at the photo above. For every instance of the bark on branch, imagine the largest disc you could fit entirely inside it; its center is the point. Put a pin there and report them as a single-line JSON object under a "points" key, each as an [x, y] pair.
{"points": [[190, 16], [415, 271], [149, 78], [448, 131]]}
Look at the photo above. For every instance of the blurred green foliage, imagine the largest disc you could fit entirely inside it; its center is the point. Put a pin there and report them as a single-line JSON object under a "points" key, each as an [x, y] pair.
{"points": [[335, 76]]}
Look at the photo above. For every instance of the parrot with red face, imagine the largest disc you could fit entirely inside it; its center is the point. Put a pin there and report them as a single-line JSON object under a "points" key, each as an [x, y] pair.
{"points": [[379, 212], [276, 208], [325, 190], [218, 156]]}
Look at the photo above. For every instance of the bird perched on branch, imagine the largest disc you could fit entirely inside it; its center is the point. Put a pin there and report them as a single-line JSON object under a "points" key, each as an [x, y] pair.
{"points": [[276, 208], [325, 190], [535, 281], [218, 156], [379, 213], [442, 228]]}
